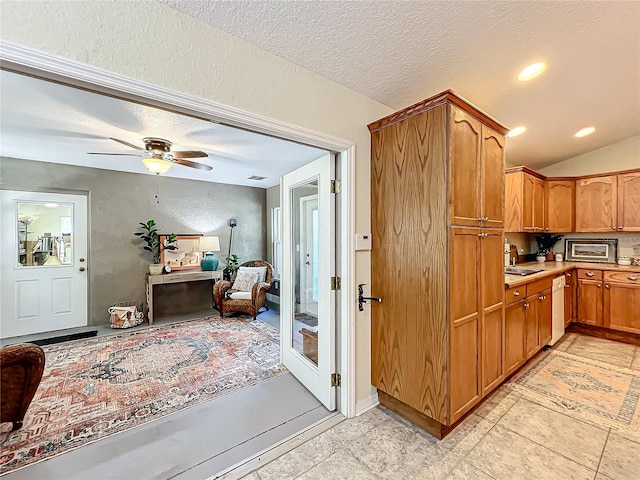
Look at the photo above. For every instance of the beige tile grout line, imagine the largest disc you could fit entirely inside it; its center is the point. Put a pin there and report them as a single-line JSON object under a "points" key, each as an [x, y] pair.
{"points": [[602, 454]]}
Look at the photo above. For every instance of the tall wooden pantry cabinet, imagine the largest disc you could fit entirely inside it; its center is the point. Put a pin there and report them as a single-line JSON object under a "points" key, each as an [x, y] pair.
{"points": [[437, 213]]}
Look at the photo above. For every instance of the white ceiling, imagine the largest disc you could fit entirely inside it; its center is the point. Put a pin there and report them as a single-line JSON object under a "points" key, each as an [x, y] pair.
{"points": [[50, 122], [399, 53]]}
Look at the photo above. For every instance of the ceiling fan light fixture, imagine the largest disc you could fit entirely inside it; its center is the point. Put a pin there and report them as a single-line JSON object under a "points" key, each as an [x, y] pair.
{"points": [[157, 165]]}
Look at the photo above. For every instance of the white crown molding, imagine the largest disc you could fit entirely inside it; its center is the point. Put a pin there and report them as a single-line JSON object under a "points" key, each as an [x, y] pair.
{"points": [[25, 57]]}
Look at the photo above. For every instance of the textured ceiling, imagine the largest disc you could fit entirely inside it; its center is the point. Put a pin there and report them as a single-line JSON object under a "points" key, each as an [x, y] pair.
{"points": [[50, 122], [399, 53]]}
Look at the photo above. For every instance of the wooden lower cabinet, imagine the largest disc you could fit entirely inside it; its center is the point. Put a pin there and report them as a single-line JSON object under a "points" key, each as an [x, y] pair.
{"points": [[544, 317], [590, 302], [515, 327], [622, 307], [493, 339], [532, 325], [569, 298]]}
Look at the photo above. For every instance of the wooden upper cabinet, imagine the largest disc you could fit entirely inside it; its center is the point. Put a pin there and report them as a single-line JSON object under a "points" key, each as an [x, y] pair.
{"points": [[513, 205], [492, 179], [528, 187], [538, 205], [596, 204], [629, 202], [559, 205], [465, 168]]}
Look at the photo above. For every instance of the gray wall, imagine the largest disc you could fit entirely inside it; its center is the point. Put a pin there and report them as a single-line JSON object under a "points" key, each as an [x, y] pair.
{"points": [[118, 201]]}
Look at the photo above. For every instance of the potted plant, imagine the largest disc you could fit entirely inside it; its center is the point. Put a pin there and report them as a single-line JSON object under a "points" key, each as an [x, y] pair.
{"points": [[232, 266], [150, 236], [545, 242]]}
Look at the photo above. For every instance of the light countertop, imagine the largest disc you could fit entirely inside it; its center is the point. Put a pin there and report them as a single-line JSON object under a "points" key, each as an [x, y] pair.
{"points": [[552, 268]]}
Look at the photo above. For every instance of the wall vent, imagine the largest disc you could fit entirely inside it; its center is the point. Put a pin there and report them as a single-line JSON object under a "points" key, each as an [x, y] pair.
{"points": [[256, 178]]}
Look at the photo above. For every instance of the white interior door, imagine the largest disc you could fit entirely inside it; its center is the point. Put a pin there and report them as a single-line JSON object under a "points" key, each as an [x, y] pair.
{"points": [[43, 262], [308, 341]]}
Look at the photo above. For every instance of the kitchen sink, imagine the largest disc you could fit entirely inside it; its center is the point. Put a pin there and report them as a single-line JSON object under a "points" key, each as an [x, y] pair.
{"points": [[521, 271]]}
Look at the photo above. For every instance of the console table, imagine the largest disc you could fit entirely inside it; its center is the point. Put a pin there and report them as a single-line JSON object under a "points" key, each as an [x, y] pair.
{"points": [[177, 277]]}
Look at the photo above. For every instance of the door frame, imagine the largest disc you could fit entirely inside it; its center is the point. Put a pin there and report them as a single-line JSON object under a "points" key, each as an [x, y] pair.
{"points": [[54, 68]]}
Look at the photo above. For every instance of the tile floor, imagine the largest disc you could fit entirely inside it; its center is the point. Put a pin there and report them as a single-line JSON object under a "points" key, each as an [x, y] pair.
{"points": [[508, 437]]}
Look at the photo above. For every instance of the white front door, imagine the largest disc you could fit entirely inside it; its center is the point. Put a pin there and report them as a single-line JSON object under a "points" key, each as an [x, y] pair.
{"points": [[308, 339], [43, 262]]}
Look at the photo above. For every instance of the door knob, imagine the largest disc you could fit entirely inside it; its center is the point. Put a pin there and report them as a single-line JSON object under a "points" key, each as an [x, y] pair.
{"points": [[362, 299], [82, 269]]}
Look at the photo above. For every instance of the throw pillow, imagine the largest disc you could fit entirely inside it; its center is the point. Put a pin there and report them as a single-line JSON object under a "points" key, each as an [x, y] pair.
{"points": [[261, 271], [245, 281]]}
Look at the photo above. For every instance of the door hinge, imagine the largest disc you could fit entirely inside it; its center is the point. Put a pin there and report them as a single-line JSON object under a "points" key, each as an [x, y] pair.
{"points": [[336, 186], [336, 283], [336, 380]]}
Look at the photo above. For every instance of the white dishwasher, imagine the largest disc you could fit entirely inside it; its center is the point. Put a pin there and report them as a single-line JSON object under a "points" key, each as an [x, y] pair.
{"points": [[557, 305]]}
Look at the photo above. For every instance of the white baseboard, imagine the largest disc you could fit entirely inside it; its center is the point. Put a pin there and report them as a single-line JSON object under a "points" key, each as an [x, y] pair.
{"points": [[367, 403]]}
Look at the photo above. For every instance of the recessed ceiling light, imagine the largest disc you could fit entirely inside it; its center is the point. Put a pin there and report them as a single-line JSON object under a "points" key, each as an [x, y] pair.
{"points": [[532, 71], [585, 131], [514, 132]]}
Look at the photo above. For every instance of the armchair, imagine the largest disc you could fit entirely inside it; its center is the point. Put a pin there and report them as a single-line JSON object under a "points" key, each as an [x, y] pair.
{"points": [[246, 302], [21, 368]]}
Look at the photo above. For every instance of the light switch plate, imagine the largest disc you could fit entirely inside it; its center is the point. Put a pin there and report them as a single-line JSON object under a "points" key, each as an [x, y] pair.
{"points": [[363, 241]]}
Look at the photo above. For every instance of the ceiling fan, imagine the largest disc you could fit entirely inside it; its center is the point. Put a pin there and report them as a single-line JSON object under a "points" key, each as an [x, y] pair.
{"points": [[158, 157]]}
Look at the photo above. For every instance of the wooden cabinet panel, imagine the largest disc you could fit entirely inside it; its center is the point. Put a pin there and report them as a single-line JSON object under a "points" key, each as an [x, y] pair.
{"points": [[532, 325], [464, 308], [629, 202], [622, 307], [465, 168], [515, 293], [409, 214], [596, 204], [559, 205], [492, 308], [538, 204], [492, 183], [515, 353], [623, 277], [589, 302], [589, 274], [514, 202], [528, 198], [569, 298], [544, 316]]}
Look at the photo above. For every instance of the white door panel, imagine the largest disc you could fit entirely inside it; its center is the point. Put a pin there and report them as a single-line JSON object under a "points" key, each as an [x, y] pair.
{"points": [[43, 262], [310, 365]]}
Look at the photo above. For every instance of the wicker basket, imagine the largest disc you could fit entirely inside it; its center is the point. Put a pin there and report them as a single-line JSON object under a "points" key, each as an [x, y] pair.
{"points": [[126, 314]]}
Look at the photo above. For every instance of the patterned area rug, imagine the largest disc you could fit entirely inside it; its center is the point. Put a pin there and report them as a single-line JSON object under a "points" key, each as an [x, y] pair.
{"points": [[589, 390], [96, 387]]}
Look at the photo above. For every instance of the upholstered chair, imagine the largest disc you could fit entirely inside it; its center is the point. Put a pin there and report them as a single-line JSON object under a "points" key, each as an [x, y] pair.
{"points": [[227, 300], [21, 368]]}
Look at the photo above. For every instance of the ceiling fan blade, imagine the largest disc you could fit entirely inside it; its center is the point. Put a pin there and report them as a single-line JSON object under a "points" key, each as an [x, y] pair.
{"points": [[189, 163], [127, 143], [120, 154], [189, 154]]}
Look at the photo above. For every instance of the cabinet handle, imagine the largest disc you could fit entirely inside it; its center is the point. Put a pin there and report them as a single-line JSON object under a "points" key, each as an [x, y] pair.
{"points": [[516, 293], [590, 274], [485, 219], [567, 286], [620, 227], [632, 277], [599, 286], [526, 305], [568, 274], [606, 286], [613, 227], [540, 297], [547, 229], [480, 219]]}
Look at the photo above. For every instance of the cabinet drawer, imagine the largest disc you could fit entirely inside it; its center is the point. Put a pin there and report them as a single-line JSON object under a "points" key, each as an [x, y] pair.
{"points": [[539, 285], [587, 274], [191, 277], [623, 277], [514, 294]]}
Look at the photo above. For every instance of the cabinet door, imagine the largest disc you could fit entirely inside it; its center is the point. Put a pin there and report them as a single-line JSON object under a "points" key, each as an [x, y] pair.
{"points": [[464, 308], [544, 316], [465, 169], [538, 204], [492, 180], [569, 298], [589, 302], [622, 307], [532, 325], [596, 204], [515, 353], [492, 309], [513, 202], [629, 202], [559, 205], [528, 193]]}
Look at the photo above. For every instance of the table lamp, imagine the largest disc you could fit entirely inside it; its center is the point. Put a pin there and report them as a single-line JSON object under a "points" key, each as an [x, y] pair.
{"points": [[208, 245]]}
